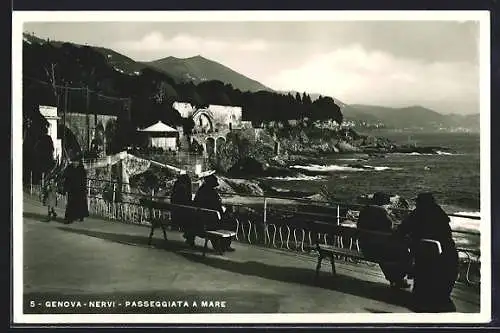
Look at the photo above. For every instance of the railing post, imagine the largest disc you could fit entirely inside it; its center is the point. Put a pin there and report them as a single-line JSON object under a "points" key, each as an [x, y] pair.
{"points": [[265, 220], [338, 239], [88, 193], [31, 182], [114, 200]]}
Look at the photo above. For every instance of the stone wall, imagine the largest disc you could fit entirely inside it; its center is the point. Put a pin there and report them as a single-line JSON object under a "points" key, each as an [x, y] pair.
{"points": [[225, 115], [185, 109]]}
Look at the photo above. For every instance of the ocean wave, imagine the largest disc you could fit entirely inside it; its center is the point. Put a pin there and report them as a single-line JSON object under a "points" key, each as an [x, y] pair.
{"points": [[298, 177], [277, 189], [351, 159], [439, 152], [463, 223], [335, 167]]}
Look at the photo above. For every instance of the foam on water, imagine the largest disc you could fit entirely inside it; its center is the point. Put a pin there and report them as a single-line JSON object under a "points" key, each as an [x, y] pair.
{"points": [[463, 223], [438, 152], [299, 177], [277, 189], [335, 167]]}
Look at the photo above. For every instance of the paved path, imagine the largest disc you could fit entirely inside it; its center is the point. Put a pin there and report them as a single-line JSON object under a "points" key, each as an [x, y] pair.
{"points": [[98, 257]]}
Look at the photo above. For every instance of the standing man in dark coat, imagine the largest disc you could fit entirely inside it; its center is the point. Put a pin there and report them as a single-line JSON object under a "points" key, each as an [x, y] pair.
{"points": [[75, 185], [208, 197], [434, 275], [391, 254]]}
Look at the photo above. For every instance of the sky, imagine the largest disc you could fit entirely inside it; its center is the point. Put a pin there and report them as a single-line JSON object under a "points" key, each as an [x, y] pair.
{"points": [[434, 64]]}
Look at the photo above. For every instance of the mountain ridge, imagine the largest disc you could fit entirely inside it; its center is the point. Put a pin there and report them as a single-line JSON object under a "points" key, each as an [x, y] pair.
{"points": [[198, 69], [415, 116]]}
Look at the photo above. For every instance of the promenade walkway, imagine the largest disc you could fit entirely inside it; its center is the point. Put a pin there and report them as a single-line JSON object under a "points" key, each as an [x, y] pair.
{"points": [[107, 258]]}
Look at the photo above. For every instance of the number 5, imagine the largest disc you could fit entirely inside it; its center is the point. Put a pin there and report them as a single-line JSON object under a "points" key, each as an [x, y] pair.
{"points": [[32, 304]]}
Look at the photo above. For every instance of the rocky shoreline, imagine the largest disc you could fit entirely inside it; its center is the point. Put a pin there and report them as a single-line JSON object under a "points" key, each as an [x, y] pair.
{"points": [[245, 176]]}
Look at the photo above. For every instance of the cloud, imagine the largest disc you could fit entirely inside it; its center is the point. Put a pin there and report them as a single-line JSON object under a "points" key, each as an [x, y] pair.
{"points": [[356, 75], [187, 45]]}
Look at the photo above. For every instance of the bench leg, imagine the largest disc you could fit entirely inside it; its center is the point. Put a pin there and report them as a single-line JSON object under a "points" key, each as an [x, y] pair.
{"points": [[205, 247], [151, 232], [164, 232], [318, 265], [332, 261]]}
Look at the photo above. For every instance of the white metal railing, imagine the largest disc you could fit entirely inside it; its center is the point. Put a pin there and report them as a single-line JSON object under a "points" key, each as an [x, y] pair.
{"points": [[260, 224]]}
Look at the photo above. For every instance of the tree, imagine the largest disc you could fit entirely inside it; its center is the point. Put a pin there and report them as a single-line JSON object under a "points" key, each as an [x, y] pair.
{"points": [[306, 99], [164, 92], [44, 153]]}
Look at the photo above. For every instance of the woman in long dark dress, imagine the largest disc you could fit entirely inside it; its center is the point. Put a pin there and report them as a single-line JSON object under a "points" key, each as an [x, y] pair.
{"points": [[208, 197], [434, 276], [76, 188], [50, 196], [392, 255]]}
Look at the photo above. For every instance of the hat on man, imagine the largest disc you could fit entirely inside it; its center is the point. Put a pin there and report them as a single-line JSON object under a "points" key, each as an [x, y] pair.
{"points": [[211, 181], [205, 174]]}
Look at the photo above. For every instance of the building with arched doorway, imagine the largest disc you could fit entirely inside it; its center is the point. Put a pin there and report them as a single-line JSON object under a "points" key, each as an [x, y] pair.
{"points": [[160, 135], [50, 114]]}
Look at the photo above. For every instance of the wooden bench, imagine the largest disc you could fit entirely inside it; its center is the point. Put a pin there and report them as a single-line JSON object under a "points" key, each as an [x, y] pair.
{"points": [[327, 251], [199, 221]]}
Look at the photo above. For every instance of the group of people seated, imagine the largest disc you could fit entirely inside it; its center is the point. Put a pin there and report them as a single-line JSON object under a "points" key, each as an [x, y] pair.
{"points": [[408, 252], [206, 197], [73, 179]]}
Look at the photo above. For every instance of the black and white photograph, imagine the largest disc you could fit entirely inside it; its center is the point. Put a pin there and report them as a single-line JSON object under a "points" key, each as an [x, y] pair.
{"points": [[251, 167]]}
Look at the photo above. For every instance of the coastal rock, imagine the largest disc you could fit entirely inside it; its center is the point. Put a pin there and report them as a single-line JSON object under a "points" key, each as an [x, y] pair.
{"points": [[317, 197], [291, 193], [359, 166], [395, 200], [405, 149], [278, 161], [225, 185], [251, 167], [247, 166]]}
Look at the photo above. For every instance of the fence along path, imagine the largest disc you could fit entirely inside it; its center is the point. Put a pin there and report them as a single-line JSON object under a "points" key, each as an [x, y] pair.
{"points": [[260, 224], [116, 158]]}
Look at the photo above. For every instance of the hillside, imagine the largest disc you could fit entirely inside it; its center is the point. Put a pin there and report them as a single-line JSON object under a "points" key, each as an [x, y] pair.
{"points": [[120, 62], [198, 69]]}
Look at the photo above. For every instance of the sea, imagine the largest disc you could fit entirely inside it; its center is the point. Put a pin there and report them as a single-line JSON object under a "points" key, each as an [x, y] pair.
{"points": [[452, 175]]}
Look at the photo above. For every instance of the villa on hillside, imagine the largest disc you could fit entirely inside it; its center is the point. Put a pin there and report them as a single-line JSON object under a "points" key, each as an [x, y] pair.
{"points": [[160, 135]]}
